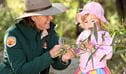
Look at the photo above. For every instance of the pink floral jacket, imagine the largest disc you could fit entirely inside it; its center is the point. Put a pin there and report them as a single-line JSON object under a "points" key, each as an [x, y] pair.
{"points": [[103, 47]]}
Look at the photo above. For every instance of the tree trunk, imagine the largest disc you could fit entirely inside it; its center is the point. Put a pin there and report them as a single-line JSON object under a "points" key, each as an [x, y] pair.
{"points": [[121, 9], [80, 7], [2, 3]]}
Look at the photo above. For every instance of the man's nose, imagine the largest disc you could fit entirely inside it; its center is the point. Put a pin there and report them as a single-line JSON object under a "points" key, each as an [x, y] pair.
{"points": [[50, 17]]}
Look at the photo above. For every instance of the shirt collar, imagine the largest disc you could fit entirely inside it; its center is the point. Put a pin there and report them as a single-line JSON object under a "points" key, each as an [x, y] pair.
{"points": [[44, 33]]}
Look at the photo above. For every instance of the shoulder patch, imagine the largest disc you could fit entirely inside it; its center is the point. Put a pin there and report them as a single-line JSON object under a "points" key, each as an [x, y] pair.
{"points": [[11, 41]]}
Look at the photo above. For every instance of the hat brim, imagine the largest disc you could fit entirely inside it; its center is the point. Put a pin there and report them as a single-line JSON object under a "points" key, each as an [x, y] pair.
{"points": [[56, 8], [102, 18]]}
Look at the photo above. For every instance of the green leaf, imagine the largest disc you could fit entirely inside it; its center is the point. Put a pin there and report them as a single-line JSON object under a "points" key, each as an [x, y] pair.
{"points": [[103, 37], [92, 61], [113, 37], [95, 32], [103, 57], [91, 56], [89, 38]]}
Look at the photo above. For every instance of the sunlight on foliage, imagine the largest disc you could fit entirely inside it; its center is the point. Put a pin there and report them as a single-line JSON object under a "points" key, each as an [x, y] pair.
{"points": [[17, 6]]}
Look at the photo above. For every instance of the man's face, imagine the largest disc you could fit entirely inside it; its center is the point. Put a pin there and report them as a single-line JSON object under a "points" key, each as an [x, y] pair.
{"points": [[42, 22]]}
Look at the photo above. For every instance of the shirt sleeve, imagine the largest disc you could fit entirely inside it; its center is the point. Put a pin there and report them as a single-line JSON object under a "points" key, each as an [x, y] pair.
{"points": [[105, 50], [58, 64]]}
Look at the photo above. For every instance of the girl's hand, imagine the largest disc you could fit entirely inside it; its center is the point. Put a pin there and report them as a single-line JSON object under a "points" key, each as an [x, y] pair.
{"points": [[89, 46]]}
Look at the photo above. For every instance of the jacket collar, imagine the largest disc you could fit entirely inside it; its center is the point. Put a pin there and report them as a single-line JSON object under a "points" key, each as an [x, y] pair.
{"points": [[30, 32]]}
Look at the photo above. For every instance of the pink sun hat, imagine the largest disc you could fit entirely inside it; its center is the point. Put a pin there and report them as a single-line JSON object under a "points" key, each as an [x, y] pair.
{"points": [[93, 8]]}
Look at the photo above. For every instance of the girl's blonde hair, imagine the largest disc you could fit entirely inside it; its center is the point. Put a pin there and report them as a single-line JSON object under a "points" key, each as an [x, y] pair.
{"points": [[101, 23]]}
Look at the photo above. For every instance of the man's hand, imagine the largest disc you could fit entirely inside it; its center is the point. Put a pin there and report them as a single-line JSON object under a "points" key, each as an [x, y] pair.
{"points": [[55, 51]]}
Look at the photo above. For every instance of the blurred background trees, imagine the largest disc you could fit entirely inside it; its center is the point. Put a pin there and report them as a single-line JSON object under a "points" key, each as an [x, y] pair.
{"points": [[115, 11]]}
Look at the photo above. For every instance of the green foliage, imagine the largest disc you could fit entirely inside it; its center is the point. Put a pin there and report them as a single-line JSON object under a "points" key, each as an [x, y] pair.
{"points": [[7, 16], [5, 20]]}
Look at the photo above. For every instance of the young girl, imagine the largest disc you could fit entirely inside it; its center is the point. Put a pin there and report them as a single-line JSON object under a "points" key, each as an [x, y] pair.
{"points": [[99, 43]]}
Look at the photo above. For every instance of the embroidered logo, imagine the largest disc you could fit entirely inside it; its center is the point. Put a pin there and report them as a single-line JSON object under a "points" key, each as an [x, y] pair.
{"points": [[11, 41]]}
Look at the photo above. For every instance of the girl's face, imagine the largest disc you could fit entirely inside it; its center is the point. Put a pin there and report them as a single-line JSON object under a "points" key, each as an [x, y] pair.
{"points": [[88, 20], [42, 22]]}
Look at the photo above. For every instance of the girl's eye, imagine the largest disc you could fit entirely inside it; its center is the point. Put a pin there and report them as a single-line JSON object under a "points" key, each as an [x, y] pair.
{"points": [[85, 21], [93, 21]]}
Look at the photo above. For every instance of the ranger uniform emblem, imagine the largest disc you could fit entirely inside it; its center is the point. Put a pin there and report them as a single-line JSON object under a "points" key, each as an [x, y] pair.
{"points": [[11, 41]]}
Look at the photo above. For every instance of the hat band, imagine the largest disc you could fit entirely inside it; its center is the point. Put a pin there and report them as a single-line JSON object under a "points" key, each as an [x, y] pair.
{"points": [[39, 9]]}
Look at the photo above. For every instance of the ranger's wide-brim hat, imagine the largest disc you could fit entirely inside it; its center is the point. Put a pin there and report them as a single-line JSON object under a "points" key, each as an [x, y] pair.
{"points": [[42, 8]]}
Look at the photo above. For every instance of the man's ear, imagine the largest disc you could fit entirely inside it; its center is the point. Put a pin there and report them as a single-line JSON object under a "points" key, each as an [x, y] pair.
{"points": [[33, 18]]}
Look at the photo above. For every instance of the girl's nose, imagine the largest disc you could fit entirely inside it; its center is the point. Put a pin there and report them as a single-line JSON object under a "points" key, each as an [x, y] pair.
{"points": [[90, 25], [92, 22]]}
